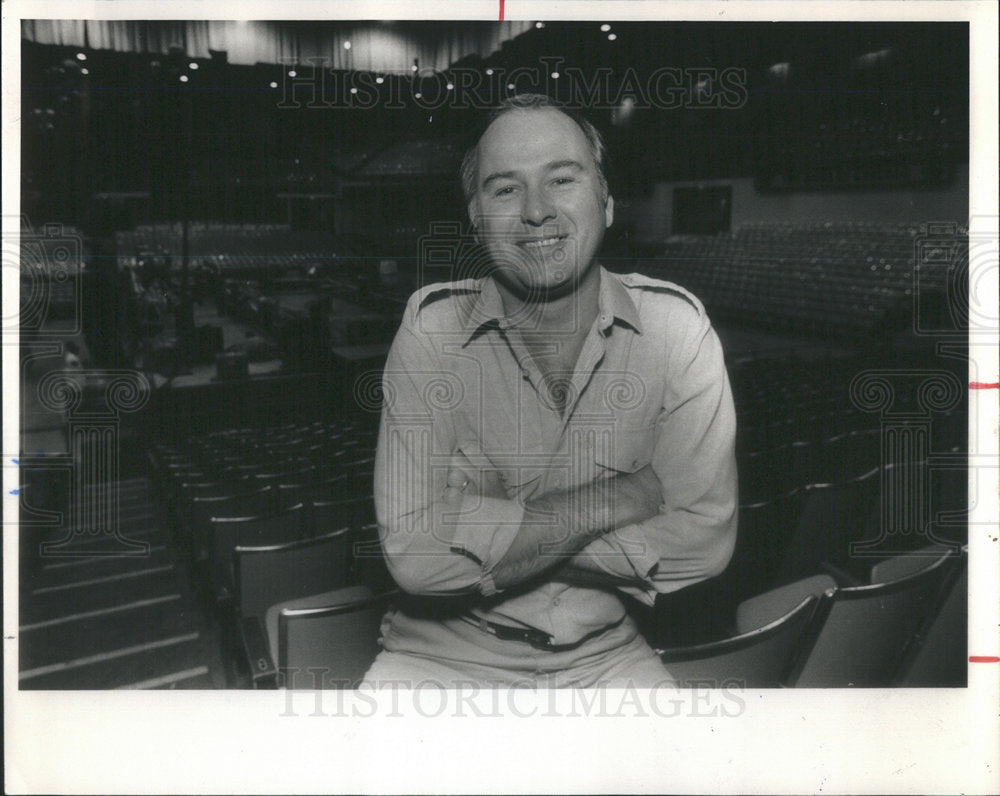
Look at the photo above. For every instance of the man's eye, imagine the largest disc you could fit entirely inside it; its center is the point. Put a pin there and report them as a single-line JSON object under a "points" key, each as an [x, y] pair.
{"points": [[562, 180], [505, 191]]}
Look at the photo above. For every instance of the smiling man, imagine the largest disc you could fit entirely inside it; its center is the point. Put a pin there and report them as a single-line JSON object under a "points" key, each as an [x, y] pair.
{"points": [[553, 435]]}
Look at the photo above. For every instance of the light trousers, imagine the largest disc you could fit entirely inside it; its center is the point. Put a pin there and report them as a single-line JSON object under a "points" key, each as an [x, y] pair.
{"points": [[452, 653]]}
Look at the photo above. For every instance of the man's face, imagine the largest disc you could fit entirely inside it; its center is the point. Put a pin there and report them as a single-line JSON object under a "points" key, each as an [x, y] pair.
{"points": [[539, 207]]}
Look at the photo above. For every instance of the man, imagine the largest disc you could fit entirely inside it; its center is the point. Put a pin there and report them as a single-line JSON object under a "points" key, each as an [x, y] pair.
{"points": [[553, 435]]}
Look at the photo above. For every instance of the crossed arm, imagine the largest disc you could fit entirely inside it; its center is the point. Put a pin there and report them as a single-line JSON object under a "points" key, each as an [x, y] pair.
{"points": [[448, 526], [558, 525]]}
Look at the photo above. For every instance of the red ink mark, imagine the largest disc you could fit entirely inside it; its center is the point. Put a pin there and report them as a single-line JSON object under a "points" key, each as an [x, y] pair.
{"points": [[984, 659], [984, 385], [501, 10]]}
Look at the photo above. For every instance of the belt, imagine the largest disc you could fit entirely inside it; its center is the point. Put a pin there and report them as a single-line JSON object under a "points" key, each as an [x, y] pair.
{"points": [[538, 639]]}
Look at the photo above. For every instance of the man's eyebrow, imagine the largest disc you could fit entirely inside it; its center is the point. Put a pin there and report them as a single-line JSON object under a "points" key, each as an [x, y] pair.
{"points": [[500, 175], [565, 164], [555, 165]]}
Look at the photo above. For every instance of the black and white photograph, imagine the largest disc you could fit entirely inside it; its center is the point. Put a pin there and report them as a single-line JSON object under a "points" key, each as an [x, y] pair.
{"points": [[398, 381]]}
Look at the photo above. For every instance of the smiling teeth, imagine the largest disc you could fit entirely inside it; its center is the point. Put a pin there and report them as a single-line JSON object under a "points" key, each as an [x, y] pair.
{"points": [[535, 244]]}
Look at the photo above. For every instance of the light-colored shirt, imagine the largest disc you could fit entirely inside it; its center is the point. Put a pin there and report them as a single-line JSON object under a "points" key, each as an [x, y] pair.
{"points": [[649, 387]]}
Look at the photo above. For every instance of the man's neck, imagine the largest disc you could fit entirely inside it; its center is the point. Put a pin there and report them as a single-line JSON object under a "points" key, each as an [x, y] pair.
{"points": [[570, 315]]}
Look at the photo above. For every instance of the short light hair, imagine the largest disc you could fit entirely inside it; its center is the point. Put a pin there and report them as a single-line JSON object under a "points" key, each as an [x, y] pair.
{"points": [[598, 149]]}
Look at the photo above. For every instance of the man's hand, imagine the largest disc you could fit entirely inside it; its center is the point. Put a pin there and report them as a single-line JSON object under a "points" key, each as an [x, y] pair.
{"points": [[458, 482], [464, 479]]}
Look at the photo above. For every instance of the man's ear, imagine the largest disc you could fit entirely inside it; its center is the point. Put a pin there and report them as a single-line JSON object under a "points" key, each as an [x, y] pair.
{"points": [[473, 212], [609, 211]]}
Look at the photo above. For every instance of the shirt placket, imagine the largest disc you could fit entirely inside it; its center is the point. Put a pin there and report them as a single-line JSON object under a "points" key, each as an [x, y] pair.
{"points": [[553, 426]]}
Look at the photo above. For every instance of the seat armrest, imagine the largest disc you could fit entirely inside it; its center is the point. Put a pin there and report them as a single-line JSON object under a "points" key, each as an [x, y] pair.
{"points": [[257, 653], [842, 576]]}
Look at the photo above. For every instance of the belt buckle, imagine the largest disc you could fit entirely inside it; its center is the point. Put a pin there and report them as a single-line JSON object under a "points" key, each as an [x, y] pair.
{"points": [[540, 640]]}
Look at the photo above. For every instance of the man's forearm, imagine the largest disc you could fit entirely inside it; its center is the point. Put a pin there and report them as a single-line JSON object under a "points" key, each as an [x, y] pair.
{"points": [[559, 525], [581, 570]]}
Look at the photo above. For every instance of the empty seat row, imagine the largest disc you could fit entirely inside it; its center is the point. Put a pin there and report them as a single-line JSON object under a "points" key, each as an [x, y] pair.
{"points": [[841, 279], [820, 527], [906, 626]]}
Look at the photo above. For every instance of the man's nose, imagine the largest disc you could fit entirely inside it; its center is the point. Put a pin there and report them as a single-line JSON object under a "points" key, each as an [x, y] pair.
{"points": [[537, 207]]}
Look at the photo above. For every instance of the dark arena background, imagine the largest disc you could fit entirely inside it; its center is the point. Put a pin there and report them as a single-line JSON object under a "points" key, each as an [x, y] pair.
{"points": [[222, 222]]}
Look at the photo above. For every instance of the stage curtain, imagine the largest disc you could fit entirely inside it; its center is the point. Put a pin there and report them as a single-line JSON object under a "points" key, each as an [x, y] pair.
{"points": [[390, 47]]}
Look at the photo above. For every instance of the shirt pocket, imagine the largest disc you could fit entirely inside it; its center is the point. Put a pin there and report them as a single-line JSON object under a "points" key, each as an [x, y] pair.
{"points": [[625, 450]]}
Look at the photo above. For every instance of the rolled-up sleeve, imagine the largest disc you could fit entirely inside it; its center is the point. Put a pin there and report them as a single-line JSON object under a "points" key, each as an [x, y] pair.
{"points": [[430, 548], [693, 536]]}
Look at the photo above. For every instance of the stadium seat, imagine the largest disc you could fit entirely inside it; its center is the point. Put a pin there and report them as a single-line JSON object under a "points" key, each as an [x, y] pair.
{"points": [[833, 516], [764, 531], [228, 532], [270, 574], [758, 658], [940, 659], [859, 636], [267, 575], [325, 515], [335, 634]]}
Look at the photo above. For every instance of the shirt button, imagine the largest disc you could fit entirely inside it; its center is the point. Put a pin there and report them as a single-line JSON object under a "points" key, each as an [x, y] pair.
{"points": [[503, 476], [635, 463], [555, 601]]}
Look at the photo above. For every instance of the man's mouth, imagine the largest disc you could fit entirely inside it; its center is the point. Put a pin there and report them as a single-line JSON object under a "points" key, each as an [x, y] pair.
{"points": [[541, 243]]}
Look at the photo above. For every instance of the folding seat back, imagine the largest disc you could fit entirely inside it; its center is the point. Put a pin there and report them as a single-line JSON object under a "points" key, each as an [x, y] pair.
{"points": [[326, 515], [763, 534], [844, 458], [327, 488], [833, 516], [939, 657], [245, 504], [760, 658], [368, 559], [228, 532], [861, 634], [267, 575], [359, 483], [336, 635], [765, 474]]}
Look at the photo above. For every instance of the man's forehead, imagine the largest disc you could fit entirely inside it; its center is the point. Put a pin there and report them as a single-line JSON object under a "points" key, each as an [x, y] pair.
{"points": [[526, 134]]}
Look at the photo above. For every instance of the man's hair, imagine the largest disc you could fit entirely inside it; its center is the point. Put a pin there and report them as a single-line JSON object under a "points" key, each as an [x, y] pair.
{"points": [[598, 150]]}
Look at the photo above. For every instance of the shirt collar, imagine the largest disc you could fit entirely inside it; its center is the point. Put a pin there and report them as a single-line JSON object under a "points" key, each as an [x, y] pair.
{"points": [[614, 302]]}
